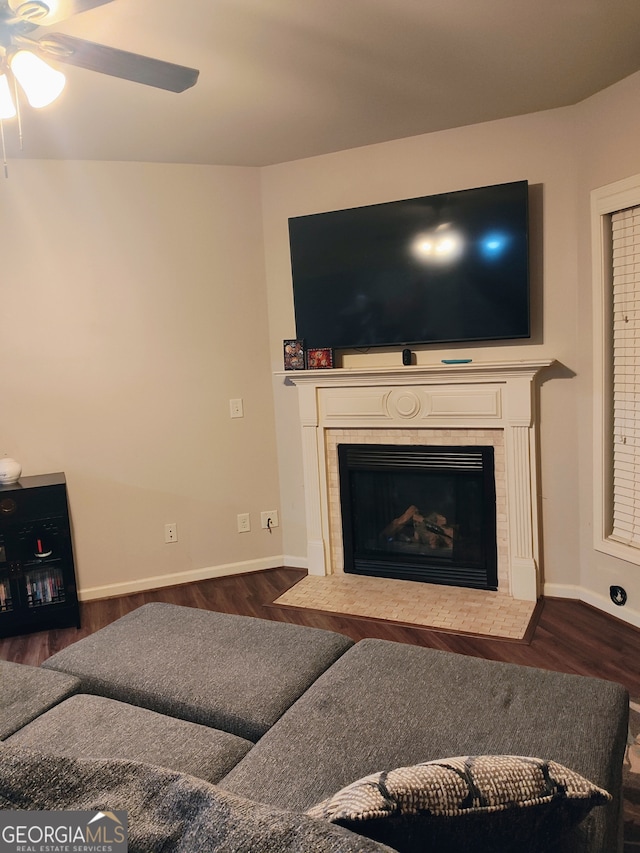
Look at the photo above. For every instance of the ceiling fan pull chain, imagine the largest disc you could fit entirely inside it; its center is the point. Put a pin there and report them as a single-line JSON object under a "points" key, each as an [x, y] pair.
{"points": [[4, 150], [16, 100]]}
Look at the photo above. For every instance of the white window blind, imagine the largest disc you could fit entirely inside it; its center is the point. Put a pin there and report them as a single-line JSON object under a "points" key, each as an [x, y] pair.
{"points": [[625, 225]]}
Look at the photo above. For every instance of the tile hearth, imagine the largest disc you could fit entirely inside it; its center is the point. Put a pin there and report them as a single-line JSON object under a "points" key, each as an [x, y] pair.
{"points": [[445, 608]]}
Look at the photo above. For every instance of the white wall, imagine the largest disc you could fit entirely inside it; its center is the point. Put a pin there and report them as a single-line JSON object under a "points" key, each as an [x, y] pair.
{"points": [[535, 147], [135, 300], [563, 154], [133, 308]]}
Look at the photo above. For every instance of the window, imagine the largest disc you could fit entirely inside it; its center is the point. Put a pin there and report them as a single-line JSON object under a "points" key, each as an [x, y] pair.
{"points": [[616, 274]]}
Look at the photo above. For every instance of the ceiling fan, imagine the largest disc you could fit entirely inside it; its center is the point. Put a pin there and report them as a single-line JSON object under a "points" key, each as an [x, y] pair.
{"points": [[21, 45]]}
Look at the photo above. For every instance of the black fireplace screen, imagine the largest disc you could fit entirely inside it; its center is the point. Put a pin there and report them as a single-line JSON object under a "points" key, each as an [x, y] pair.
{"points": [[419, 513]]}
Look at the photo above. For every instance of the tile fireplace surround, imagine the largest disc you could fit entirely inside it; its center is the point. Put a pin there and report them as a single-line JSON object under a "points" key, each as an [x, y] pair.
{"points": [[491, 403]]}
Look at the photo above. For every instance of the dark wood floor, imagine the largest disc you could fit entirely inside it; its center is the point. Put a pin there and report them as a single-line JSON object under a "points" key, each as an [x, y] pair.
{"points": [[569, 636]]}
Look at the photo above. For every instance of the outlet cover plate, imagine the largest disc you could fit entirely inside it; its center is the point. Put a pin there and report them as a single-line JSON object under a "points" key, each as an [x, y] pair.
{"points": [[269, 514]]}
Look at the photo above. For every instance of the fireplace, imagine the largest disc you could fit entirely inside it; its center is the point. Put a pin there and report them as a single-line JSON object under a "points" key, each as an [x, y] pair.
{"points": [[419, 513], [471, 405]]}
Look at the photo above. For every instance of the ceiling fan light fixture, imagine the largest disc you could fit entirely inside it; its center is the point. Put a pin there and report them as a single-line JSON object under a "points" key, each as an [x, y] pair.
{"points": [[7, 107], [41, 83]]}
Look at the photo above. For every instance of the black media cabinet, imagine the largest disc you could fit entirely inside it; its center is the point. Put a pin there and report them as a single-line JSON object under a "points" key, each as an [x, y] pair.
{"points": [[37, 574]]}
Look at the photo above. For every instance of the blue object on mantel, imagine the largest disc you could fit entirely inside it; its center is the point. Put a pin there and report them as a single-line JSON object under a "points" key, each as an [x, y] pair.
{"points": [[456, 360]]}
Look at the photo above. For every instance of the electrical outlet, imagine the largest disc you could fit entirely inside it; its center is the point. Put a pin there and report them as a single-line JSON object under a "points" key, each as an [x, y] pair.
{"points": [[236, 408], [244, 522], [269, 519], [171, 532]]}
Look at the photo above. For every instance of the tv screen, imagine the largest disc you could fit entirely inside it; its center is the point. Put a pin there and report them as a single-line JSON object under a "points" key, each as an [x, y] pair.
{"points": [[443, 268]]}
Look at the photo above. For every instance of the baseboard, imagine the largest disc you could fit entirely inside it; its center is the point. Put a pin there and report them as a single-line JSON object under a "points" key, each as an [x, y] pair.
{"points": [[158, 581], [559, 590], [295, 562], [600, 602], [552, 590]]}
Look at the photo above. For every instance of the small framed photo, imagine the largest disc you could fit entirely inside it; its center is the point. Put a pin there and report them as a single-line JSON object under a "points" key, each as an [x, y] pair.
{"points": [[319, 358], [293, 354]]}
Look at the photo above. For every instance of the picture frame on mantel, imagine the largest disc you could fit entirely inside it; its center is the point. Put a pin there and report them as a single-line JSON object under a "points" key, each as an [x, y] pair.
{"points": [[319, 358], [294, 357]]}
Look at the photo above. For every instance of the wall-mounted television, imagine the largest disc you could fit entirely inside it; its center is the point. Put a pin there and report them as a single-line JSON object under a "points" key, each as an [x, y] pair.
{"points": [[452, 267]]}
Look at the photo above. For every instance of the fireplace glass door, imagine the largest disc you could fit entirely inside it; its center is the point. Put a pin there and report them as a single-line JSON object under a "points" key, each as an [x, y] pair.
{"points": [[419, 513]]}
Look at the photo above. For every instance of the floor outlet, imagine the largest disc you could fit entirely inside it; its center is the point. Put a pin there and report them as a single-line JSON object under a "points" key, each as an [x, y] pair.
{"points": [[618, 595], [269, 519], [171, 532], [244, 522]]}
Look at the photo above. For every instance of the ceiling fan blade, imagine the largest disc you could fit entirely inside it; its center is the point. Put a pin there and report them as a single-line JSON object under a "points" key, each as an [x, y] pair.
{"points": [[117, 63]]}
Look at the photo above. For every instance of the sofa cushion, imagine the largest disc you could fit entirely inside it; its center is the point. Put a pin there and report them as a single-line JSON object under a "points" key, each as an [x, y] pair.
{"points": [[167, 811], [95, 727], [235, 673], [386, 704], [513, 803], [28, 691]]}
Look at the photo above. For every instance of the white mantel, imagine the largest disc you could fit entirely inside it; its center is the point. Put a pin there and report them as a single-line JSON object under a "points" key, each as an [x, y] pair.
{"points": [[474, 396]]}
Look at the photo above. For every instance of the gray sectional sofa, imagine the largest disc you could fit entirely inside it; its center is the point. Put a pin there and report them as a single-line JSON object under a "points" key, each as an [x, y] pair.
{"points": [[227, 733]]}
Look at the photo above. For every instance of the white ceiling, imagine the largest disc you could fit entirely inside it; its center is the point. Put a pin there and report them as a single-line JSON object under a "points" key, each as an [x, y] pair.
{"points": [[287, 79]]}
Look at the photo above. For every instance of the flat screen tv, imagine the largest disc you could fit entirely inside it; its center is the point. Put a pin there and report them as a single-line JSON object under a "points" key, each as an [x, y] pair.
{"points": [[445, 268]]}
